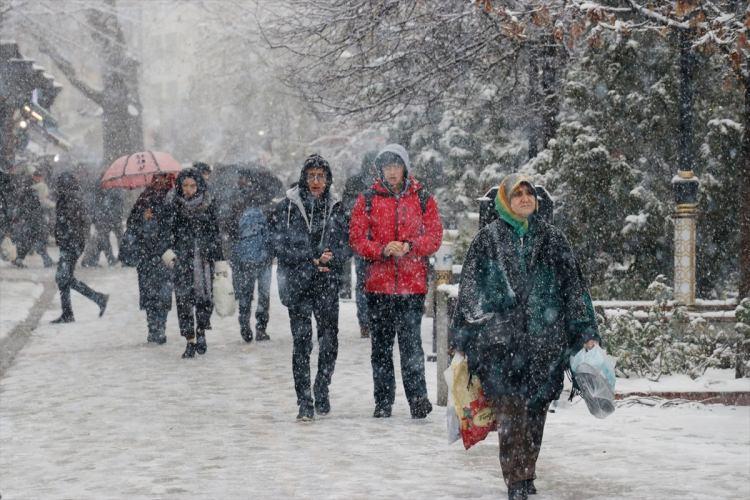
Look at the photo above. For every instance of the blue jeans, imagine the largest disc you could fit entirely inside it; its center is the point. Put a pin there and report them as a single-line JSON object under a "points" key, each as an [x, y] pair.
{"points": [[244, 276]]}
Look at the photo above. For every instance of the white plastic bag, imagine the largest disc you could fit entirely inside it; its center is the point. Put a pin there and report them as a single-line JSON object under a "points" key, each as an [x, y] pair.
{"points": [[223, 290], [8, 249], [594, 374], [451, 418]]}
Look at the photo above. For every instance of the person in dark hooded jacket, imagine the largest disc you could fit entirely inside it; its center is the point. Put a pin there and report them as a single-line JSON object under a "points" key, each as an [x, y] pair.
{"points": [[195, 246], [150, 224], [309, 240], [523, 307], [71, 227], [30, 229], [395, 226]]}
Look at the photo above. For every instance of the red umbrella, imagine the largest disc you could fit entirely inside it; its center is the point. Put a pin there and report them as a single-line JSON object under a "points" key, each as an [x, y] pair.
{"points": [[136, 170]]}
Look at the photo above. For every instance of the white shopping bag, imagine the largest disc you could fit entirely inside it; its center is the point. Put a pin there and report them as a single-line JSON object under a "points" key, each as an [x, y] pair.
{"points": [[8, 249], [223, 289]]}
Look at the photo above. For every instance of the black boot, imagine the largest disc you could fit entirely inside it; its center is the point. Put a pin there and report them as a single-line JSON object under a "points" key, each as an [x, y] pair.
{"points": [[246, 333], [530, 488], [382, 411], [103, 299], [189, 350], [517, 491], [322, 405], [200, 343], [63, 319], [306, 413], [420, 407], [260, 334]]}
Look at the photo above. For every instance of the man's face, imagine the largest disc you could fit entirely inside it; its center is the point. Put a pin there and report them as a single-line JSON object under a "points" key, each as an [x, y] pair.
{"points": [[394, 175], [522, 201], [316, 181], [189, 187], [206, 175]]}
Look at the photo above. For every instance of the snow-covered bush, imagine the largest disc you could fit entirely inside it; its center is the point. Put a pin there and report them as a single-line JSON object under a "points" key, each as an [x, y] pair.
{"points": [[668, 341]]}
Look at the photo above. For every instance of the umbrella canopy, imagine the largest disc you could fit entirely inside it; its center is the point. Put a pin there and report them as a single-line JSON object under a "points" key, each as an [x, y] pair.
{"points": [[136, 170]]}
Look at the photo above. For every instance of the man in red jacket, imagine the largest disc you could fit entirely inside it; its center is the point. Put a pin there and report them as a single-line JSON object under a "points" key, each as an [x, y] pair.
{"points": [[395, 226]]}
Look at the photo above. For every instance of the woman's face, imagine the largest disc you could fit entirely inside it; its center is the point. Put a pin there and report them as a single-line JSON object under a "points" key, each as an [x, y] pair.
{"points": [[189, 187], [522, 201]]}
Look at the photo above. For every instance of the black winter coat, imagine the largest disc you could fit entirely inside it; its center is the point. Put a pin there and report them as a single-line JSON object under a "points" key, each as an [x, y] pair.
{"points": [[534, 287], [296, 244], [71, 223], [153, 238], [190, 227]]}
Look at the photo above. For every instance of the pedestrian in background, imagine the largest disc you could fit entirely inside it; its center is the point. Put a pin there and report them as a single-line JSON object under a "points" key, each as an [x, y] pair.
{"points": [[309, 240], [250, 236], [396, 226], [523, 307], [150, 224], [355, 186], [71, 226], [195, 247]]}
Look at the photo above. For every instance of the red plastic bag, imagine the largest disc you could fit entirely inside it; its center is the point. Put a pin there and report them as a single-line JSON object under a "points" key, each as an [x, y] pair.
{"points": [[476, 416]]}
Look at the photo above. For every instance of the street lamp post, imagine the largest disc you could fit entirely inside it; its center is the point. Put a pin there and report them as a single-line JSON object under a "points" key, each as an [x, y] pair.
{"points": [[685, 183]]}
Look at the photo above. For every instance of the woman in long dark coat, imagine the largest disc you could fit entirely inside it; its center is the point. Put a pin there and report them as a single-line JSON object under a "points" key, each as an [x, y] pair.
{"points": [[71, 229], [196, 245], [150, 224], [523, 308]]}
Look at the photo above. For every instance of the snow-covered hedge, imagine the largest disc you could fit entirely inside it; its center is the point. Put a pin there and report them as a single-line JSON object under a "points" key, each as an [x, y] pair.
{"points": [[669, 341]]}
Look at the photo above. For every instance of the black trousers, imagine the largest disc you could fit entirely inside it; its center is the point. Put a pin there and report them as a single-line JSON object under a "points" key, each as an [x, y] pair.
{"points": [[520, 430], [324, 305], [394, 316], [66, 281], [193, 315]]}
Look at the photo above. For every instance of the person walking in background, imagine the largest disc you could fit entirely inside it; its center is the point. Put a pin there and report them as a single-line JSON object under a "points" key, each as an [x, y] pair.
{"points": [[395, 226], [71, 227], [250, 237], [355, 186], [309, 240], [107, 218], [150, 224], [195, 246], [30, 227], [523, 307]]}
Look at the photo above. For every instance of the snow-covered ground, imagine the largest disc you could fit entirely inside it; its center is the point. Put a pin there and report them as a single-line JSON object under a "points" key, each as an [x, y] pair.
{"points": [[16, 299], [89, 410]]}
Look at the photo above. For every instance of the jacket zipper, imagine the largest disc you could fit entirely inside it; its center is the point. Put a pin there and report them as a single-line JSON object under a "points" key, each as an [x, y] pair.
{"points": [[395, 259]]}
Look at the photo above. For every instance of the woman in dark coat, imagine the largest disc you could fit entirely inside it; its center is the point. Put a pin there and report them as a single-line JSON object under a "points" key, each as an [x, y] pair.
{"points": [[71, 227], [150, 224], [309, 240], [196, 245], [523, 308]]}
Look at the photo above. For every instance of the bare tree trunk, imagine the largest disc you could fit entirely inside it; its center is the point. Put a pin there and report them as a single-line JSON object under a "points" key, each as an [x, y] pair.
{"points": [[122, 127]]}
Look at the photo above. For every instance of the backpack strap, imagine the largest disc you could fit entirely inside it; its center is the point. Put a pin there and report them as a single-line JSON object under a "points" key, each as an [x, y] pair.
{"points": [[422, 193]]}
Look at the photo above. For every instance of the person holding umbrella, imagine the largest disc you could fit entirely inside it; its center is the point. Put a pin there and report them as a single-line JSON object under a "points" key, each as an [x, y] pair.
{"points": [[195, 247], [150, 226], [71, 226]]}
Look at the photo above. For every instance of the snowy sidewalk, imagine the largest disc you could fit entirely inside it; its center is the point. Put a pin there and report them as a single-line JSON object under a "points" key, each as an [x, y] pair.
{"points": [[89, 410]]}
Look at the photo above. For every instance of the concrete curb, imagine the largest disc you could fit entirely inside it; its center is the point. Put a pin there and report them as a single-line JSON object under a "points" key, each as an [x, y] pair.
{"points": [[21, 333], [738, 398]]}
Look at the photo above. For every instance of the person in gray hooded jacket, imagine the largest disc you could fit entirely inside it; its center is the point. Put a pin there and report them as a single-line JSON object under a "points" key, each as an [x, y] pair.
{"points": [[309, 240]]}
